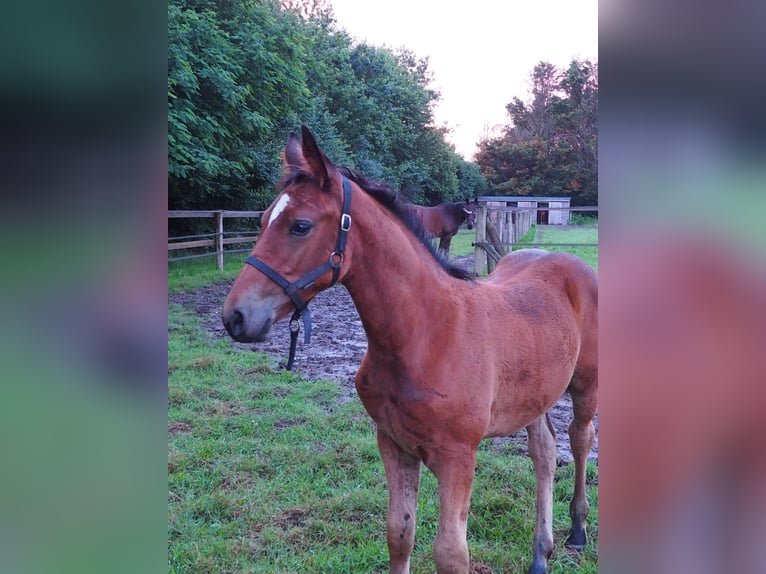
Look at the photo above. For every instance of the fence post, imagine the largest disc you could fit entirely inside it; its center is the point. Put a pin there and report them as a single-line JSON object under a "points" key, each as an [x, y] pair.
{"points": [[479, 256], [507, 233], [501, 230], [494, 238], [219, 239]]}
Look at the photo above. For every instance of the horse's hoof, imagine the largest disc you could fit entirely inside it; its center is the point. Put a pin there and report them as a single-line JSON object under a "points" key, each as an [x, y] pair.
{"points": [[577, 538], [538, 566]]}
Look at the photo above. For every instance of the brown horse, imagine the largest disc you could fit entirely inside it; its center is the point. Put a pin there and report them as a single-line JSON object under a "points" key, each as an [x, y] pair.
{"points": [[444, 220], [528, 330]]}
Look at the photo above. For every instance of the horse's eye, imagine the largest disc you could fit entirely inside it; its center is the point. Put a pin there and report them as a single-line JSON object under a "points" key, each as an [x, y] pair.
{"points": [[301, 228]]}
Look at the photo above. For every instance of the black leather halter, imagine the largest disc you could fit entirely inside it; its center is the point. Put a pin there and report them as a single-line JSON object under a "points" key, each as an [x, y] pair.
{"points": [[333, 264]]}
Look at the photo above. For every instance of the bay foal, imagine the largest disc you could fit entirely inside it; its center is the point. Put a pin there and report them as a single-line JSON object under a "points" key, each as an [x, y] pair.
{"points": [[528, 332]]}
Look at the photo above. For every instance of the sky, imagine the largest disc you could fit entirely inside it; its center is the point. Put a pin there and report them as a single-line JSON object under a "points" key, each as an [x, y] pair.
{"points": [[480, 53]]}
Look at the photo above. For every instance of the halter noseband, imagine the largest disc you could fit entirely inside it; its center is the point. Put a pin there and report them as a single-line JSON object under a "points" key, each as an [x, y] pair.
{"points": [[333, 264]]}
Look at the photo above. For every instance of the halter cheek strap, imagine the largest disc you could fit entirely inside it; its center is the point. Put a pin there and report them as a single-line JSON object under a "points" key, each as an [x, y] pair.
{"points": [[292, 289]]}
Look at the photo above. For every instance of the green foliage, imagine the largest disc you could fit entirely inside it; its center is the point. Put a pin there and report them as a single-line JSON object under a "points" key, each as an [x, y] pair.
{"points": [[241, 76], [471, 182], [550, 148], [233, 80]]}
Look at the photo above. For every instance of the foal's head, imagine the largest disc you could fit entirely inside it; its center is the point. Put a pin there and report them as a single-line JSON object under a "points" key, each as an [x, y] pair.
{"points": [[301, 248], [470, 208], [298, 235]]}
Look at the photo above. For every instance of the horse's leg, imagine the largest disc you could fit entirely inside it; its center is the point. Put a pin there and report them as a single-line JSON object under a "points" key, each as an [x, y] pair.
{"points": [[542, 451], [403, 477], [581, 433], [455, 477], [444, 243]]}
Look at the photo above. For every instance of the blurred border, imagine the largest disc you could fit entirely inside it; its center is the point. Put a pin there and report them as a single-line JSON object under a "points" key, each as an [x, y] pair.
{"points": [[82, 343], [682, 476], [83, 158]]}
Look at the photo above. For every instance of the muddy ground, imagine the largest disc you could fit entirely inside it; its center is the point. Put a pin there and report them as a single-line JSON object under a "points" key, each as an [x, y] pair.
{"points": [[337, 346]]}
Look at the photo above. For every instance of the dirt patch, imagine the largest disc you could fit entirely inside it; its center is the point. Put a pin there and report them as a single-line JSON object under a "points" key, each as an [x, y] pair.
{"points": [[286, 424], [291, 518], [338, 344], [179, 428], [479, 567]]}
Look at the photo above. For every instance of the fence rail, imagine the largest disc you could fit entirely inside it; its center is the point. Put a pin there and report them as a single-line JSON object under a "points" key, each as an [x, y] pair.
{"points": [[218, 239], [499, 228]]}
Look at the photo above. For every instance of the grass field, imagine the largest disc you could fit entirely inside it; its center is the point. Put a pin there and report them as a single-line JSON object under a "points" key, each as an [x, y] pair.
{"points": [[268, 472], [192, 274], [571, 234], [462, 242], [272, 473]]}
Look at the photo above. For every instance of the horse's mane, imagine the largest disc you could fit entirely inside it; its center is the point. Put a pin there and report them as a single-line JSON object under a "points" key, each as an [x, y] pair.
{"points": [[401, 208], [394, 203]]}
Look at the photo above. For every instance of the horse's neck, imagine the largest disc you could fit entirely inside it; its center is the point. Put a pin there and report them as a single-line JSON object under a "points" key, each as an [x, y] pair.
{"points": [[457, 212], [393, 280]]}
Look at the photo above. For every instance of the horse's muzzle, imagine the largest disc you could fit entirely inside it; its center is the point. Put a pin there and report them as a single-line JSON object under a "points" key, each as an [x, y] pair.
{"points": [[247, 327]]}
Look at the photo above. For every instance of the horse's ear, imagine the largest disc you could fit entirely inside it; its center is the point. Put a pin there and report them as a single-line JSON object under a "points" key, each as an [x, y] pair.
{"points": [[317, 161], [292, 157]]}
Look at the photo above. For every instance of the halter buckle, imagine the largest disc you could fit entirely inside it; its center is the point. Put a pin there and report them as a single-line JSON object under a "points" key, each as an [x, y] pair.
{"points": [[345, 222], [295, 326]]}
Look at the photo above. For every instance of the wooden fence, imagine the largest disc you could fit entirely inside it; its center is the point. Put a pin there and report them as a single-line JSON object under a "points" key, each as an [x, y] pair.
{"points": [[217, 239], [500, 228]]}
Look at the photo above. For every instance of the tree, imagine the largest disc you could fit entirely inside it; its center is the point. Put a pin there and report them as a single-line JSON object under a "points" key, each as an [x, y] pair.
{"points": [[242, 75], [233, 80], [550, 146], [470, 181], [317, 11]]}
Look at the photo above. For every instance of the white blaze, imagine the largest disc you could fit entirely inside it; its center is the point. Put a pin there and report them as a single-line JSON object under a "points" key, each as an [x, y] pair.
{"points": [[279, 207]]}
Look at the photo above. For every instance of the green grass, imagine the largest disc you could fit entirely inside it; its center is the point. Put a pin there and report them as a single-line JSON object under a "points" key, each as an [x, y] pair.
{"points": [[269, 472], [547, 234], [192, 274], [571, 234], [583, 218], [529, 236], [462, 242], [566, 234]]}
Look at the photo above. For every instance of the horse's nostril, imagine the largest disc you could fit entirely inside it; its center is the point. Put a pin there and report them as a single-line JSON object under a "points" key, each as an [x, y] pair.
{"points": [[233, 323]]}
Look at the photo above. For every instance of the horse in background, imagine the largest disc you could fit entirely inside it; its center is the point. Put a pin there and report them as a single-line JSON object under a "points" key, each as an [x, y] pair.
{"points": [[444, 220]]}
